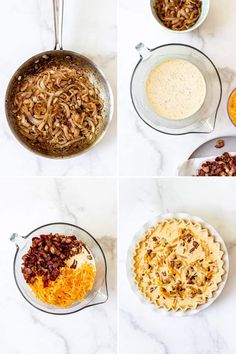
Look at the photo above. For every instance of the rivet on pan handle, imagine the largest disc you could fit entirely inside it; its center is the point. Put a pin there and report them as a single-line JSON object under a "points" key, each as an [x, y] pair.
{"points": [[58, 9]]}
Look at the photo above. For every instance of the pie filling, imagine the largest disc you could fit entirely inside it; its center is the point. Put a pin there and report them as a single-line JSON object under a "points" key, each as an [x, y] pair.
{"points": [[178, 265]]}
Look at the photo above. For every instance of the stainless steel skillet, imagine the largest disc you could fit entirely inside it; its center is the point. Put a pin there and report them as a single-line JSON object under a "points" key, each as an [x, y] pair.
{"points": [[68, 58]]}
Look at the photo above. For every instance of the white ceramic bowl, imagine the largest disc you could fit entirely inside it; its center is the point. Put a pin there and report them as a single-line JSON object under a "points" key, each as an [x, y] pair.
{"points": [[139, 235], [204, 14]]}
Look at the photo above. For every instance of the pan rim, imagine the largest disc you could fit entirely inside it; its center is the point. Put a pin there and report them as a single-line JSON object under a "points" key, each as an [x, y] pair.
{"points": [[109, 94]]}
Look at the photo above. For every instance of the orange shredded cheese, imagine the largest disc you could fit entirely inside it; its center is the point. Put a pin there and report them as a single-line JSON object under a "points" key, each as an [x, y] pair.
{"points": [[232, 107], [70, 286]]}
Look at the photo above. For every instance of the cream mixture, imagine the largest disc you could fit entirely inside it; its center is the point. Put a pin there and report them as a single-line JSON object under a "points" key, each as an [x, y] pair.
{"points": [[176, 89], [85, 256]]}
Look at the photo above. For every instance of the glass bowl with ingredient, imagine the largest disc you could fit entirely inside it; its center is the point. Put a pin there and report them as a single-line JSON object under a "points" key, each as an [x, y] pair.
{"points": [[231, 107], [180, 16], [176, 89], [60, 268]]}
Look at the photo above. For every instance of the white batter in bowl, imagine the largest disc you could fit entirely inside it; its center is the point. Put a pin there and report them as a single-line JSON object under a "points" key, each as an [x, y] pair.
{"points": [[176, 89]]}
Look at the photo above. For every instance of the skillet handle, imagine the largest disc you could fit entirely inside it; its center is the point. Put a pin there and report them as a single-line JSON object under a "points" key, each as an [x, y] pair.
{"points": [[58, 9]]}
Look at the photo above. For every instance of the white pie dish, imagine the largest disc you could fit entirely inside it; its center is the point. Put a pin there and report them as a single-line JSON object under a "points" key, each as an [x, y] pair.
{"points": [[139, 236]]}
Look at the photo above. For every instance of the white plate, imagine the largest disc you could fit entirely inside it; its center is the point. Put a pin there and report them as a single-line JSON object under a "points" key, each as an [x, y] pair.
{"points": [[139, 236], [208, 148], [192, 166]]}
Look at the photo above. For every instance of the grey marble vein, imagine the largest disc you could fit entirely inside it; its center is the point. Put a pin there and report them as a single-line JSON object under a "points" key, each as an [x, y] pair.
{"points": [[54, 331], [142, 331], [66, 212], [143, 131]]}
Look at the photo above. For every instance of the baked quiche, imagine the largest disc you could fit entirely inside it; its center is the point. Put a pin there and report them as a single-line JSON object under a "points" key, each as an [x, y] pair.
{"points": [[178, 265]]}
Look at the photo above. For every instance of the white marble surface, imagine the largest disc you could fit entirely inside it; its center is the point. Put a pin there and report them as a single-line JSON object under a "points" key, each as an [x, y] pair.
{"points": [[26, 204], [142, 330], [143, 151], [26, 29]]}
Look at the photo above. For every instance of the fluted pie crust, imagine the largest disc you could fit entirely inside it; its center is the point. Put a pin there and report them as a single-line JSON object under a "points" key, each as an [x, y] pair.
{"points": [[178, 265]]}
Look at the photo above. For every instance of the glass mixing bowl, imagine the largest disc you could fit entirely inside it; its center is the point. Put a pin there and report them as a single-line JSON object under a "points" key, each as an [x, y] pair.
{"points": [[99, 293], [203, 121]]}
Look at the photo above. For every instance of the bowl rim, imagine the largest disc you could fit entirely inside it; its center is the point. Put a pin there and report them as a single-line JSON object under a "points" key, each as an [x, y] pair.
{"points": [[220, 85], [69, 312], [129, 261], [197, 24]]}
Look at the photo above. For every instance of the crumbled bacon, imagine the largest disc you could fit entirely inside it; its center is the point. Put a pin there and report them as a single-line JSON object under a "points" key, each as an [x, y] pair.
{"points": [[47, 255], [74, 264], [220, 143], [224, 165]]}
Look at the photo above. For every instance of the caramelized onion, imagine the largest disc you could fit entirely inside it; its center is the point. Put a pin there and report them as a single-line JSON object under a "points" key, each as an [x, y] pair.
{"points": [[58, 110]]}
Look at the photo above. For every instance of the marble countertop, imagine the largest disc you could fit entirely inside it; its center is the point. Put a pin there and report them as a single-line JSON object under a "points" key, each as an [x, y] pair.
{"points": [[143, 151], [89, 203], [144, 330], [27, 29]]}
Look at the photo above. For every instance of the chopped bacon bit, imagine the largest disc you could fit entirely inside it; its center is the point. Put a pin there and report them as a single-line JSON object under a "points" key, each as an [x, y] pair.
{"points": [[220, 143], [47, 255], [224, 165], [74, 264]]}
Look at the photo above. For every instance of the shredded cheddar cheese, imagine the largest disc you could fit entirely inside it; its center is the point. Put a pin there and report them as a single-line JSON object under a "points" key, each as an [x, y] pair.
{"points": [[70, 286], [232, 107]]}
